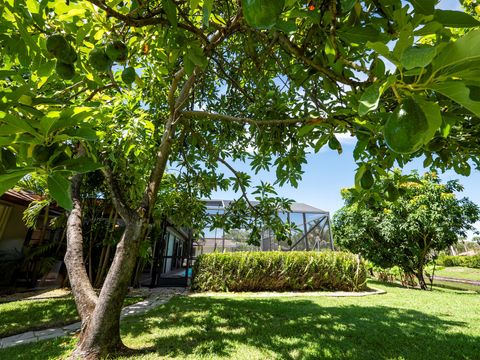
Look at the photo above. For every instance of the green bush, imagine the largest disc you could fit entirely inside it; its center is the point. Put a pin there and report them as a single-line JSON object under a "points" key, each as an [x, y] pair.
{"points": [[279, 271], [467, 261]]}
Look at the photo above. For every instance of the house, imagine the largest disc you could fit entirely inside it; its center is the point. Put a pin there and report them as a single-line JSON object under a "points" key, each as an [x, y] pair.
{"points": [[17, 241]]}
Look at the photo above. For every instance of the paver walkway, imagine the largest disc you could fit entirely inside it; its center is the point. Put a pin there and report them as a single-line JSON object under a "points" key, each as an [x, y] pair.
{"points": [[155, 297]]}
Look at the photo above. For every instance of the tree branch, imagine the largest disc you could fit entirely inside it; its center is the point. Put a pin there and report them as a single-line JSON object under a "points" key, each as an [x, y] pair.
{"points": [[239, 181], [117, 196], [295, 50], [153, 19], [220, 117]]}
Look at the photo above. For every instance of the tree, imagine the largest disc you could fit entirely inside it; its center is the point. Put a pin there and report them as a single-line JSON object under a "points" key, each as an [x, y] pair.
{"points": [[422, 218], [476, 239], [134, 88]]}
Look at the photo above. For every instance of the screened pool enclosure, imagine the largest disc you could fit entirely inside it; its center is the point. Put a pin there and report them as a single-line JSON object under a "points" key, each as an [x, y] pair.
{"points": [[312, 231], [174, 250]]}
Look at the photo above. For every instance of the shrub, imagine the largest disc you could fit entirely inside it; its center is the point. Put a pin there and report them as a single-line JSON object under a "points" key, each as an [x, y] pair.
{"points": [[467, 261], [392, 274], [279, 271]]}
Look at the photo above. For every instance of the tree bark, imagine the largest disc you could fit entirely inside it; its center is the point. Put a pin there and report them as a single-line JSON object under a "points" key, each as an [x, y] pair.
{"points": [[85, 297], [420, 278], [101, 335]]}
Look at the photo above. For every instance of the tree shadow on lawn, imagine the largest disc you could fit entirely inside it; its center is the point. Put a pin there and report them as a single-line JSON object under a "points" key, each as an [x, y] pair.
{"points": [[297, 329], [36, 315]]}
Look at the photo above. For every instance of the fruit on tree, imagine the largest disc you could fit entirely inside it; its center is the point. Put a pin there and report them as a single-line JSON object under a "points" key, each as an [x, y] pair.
{"points": [[391, 193], [406, 129], [9, 160], [117, 51], [69, 56], [56, 45], [99, 60], [366, 181], [262, 14], [65, 71], [41, 153], [129, 75]]}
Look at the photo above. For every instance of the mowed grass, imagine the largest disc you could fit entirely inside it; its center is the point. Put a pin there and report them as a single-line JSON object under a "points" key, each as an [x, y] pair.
{"points": [[402, 324], [459, 272], [25, 315]]}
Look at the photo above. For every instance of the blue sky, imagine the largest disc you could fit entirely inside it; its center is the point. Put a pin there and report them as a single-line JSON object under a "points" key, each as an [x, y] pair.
{"points": [[326, 172]]}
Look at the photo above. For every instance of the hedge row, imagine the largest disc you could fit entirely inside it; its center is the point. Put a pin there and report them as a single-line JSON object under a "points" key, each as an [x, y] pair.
{"points": [[279, 271], [467, 261]]}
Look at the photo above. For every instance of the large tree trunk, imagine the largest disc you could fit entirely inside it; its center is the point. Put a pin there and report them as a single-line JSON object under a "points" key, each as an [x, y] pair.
{"points": [[101, 334], [420, 278]]}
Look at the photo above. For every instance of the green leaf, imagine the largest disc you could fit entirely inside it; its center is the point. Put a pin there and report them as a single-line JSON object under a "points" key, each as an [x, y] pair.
{"points": [[459, 92], [425, 7], [84, 133], [447, 122], [286, 26], [70, 117], [417, 57], [26, 36], [207, 9], [455, 19], [459, 55], [9, 179], [359, 174], [347, 5], [170, 11], [195, 54], [381, 49], [429, 28], [194, 5], [59, 188], [189, 65], [405, 40], [369, 100], [360, 34], [433, 115], [7, 73], [80, 165], [304, 130], [18, 123]]}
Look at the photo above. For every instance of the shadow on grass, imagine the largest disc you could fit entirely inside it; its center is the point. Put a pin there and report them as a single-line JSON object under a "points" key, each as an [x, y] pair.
{"points": [[297, 329], [26, 315]]}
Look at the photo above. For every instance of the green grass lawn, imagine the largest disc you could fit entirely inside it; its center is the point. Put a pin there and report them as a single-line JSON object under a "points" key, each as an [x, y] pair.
{"points": [[25, 315], [459, 272], [402, 324]]}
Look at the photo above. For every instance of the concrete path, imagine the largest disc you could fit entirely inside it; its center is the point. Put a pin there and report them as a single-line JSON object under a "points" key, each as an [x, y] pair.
{"points": [[457, 280], [273, 294], [155, 297]]}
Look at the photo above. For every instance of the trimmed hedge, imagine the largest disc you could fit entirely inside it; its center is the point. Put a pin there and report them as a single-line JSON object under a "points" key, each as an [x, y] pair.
{"points": [[467, 261], [279, 271]]}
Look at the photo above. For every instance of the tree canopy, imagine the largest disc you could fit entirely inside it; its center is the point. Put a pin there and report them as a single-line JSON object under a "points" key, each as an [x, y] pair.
{"points": [[407, 229], [135, 87]]}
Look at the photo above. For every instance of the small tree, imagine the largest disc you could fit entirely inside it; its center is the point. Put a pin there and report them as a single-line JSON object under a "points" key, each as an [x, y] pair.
{"points": [[423, 216]]}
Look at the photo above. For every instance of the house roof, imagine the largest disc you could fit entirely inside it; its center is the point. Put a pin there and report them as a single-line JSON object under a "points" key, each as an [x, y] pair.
{"points": [[295, 207], [24, 198]]}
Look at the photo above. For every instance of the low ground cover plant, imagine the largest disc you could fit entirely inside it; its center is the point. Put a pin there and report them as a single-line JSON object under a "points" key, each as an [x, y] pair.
{"points": [[279, 271]]}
